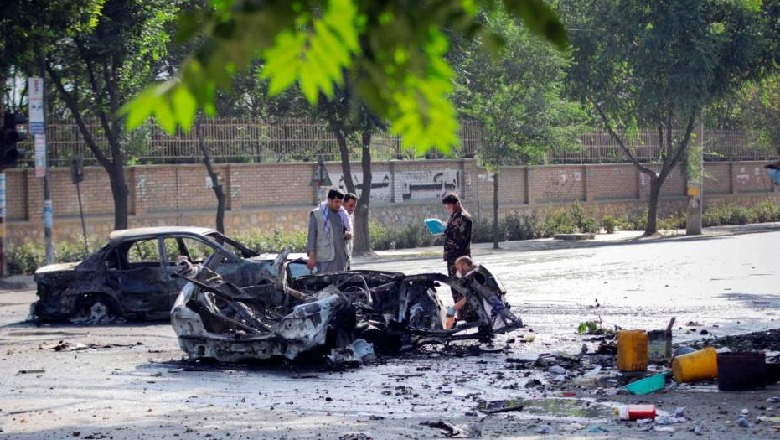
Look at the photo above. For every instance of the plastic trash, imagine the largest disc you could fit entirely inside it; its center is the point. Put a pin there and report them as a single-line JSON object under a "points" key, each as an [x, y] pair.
{"points": [[632, 350], [635, 412], [557, 369], [741, 371], [597, 429], [647, 385], [699, 365]]}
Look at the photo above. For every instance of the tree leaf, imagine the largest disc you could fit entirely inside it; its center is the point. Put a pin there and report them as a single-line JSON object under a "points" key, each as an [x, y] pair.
{"points": [[140, 109], [185, 106]]}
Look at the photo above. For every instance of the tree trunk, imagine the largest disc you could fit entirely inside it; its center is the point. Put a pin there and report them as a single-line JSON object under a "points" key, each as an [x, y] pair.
{"points": [[117, 173], [119, 191], [346, 168], [495, 210], [219, 191], [652, 204], [362, 237]]}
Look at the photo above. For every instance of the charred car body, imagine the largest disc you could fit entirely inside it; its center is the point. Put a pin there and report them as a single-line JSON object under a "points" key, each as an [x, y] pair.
{"points": [[288, 315], [131, 276]]}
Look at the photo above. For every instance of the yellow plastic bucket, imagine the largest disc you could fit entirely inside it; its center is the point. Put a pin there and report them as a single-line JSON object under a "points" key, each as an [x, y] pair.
{"points": [[699, 365], [632, 350]]}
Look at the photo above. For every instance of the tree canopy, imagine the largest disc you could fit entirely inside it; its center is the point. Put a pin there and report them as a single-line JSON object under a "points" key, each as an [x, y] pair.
{"points": [[659, 63], [392, 52], [516, 94], [97, 69]]}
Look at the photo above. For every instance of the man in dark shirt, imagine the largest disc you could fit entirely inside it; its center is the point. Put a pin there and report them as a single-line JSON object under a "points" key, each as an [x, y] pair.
{"points": [[457, 243], [457, 235]]}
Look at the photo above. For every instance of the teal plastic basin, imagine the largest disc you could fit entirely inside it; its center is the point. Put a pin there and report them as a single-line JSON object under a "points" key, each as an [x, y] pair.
{"points": [[647, 385]]}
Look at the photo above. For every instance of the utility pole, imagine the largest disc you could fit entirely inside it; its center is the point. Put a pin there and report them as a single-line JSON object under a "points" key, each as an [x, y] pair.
{"points": [[37, 116], [695, 184], [3, 264]]}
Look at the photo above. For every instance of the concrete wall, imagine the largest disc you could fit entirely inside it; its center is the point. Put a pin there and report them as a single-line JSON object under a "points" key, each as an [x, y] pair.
{"points": [[265, 197]]}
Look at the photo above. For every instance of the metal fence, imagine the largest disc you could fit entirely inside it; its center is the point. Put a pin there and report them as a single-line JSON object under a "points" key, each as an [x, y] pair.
{"points": [[719, 145], [248, 140]]}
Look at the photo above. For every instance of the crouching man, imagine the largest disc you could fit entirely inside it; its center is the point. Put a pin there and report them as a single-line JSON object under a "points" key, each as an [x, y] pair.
{"points": [[481, 286]]}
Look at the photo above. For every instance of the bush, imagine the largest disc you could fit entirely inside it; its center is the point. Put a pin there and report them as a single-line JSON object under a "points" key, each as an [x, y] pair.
{"points": [[482, 231], [736, 214], [558, 222], [609, 223], [582, 219], [739, 215], [275, 241], [69, 252], [636, 221], [28, 257], [25, 258], [674, 221], [414, 235], [522, 227], [767, 211], [381, 237]]}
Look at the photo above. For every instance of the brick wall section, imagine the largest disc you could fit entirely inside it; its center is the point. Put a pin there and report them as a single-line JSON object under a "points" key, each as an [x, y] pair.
{"points": [[717, 178], [750, 177], [16, 195], [511, 184], [612, 182], [34, 196], [254, 186], [163, 188], [264, 197], [556, 184], [674, 185]]}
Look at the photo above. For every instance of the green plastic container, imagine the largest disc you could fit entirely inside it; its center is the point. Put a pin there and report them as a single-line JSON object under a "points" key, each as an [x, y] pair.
{"points": [[647, 385]]}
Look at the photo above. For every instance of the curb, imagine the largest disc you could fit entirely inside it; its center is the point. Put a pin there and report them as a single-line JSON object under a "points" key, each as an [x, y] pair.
{"points": [[17, 282]]}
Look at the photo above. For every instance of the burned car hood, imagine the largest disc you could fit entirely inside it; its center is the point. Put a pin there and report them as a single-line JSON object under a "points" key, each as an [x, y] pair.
{"points": [[54, 268]]}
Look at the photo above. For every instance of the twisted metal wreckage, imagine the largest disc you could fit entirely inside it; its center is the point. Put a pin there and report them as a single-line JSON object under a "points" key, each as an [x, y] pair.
{"points": [[347, 314]]}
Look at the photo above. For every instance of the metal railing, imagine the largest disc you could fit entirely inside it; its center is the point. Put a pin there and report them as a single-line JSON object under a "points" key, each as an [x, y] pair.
{"points": [[249, 140], [719, 145]]}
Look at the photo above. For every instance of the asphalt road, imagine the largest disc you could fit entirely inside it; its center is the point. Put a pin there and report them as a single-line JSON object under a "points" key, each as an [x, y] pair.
{"points": [[724, 282], [129, 381]]}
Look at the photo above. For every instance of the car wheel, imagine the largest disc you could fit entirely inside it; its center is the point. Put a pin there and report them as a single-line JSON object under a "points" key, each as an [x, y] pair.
{"points": [[95, 309]]}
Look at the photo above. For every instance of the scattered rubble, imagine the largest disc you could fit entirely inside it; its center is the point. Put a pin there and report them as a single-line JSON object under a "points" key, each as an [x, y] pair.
{"points": [[468, 430]]}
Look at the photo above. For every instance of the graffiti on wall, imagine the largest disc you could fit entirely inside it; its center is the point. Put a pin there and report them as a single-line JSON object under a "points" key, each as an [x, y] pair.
{"points": [[408, 185], [430, 184], [380, 184]]}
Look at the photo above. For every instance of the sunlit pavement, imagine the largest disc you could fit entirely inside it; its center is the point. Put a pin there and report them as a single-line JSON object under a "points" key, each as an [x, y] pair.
{"points": [[725, 281]]}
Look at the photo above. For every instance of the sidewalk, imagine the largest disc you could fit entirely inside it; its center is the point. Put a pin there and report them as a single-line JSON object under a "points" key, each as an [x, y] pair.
{"points": [[543, 244]]}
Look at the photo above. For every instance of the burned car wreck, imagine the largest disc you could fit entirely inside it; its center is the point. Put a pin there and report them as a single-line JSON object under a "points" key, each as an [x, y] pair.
{"points": [[131, 276], [314, 314]]}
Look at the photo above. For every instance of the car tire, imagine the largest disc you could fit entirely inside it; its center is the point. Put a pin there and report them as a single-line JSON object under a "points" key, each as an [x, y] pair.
{"points": [[95, 308]]}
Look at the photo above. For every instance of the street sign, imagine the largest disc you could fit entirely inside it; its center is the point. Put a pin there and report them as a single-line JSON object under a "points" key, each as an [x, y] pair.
{"points": [[40, 154], [2, 196], [35, 108]]}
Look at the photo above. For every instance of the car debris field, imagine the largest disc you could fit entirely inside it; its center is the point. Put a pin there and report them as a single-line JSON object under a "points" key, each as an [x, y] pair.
{"points": [[556, 377]]}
